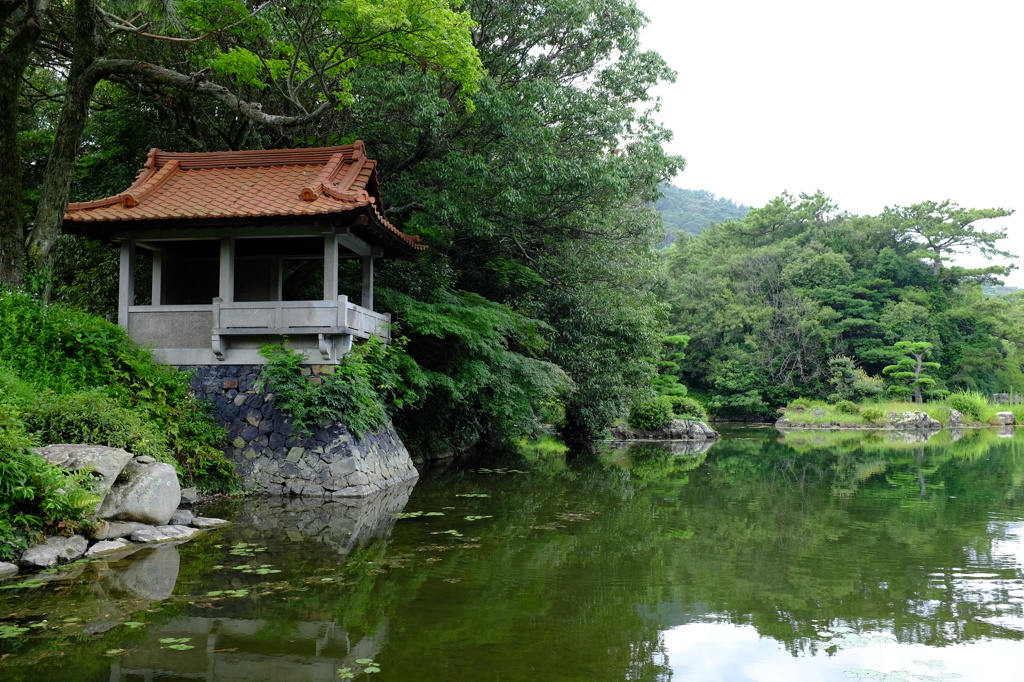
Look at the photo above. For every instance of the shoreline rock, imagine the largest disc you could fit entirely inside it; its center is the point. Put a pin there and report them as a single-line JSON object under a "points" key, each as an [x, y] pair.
{"points": [[677, 429]]}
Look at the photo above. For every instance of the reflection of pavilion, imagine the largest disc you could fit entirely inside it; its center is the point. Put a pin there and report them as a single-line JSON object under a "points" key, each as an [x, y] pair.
{"points": [[246, 650]]}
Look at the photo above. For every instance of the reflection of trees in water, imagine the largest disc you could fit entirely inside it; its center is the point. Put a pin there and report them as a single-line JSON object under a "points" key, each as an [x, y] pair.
{"points": [[860, 544], [605, 550]]}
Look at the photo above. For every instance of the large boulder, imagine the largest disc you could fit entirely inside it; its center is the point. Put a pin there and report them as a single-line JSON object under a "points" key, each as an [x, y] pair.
{"points": [[103, 463], [54, 550], [1005, 418], [146, 491], [913, 420]]}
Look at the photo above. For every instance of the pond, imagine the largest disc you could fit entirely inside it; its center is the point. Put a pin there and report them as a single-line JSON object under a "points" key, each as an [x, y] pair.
{"points": [[812, 556]]}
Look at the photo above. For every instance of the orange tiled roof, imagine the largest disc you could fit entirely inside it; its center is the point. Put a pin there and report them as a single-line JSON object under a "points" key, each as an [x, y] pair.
{"points": [[248, 184]]}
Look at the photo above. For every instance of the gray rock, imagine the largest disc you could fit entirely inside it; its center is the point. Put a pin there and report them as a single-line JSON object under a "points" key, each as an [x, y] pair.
{"points": [[181, 517], [956, 418], [144, 459], [104, 463], [165, 534], [7, 570], [105, 547], [152, 576], [208, 522], [117, 529], [145, 492], [914, 420], [1005, 418], [189, 495], [54, 550]]}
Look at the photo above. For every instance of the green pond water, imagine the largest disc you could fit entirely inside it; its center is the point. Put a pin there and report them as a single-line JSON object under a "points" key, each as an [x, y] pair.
{"points": [[765, 557]]}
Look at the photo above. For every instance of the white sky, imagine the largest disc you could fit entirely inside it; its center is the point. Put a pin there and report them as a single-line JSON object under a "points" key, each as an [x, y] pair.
{"points": [[875, 103]]}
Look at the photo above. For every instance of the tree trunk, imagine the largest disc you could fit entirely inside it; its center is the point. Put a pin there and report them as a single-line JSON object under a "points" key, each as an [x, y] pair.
{"points": [[60, 166], [918, 399], [13, 62]]}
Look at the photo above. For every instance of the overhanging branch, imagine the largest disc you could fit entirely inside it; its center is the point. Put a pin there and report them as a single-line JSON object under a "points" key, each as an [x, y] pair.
{"points": [[104, 68]]}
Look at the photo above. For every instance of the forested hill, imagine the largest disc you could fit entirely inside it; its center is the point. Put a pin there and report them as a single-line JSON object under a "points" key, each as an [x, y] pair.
{"points": [[691, 210]]}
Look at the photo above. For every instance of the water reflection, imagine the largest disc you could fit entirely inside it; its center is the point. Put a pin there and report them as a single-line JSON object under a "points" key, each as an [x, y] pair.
{"points": [[765, 557]]}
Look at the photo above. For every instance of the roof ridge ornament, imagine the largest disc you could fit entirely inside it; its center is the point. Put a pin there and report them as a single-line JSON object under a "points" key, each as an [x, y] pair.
{"points": [[312, 192]]}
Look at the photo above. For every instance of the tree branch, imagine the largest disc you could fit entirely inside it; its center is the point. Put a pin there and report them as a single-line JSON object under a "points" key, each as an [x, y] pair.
{"points": [[158, 74]]}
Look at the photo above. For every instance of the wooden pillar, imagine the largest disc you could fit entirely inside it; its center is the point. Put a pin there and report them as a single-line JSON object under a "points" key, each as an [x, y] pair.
{"points": [[366, 301], [330, 267], [226, 290], [157, 287], [277, 272], [126, 281]]}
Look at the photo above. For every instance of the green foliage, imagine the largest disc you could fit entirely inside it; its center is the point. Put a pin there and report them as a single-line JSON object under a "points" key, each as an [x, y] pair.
{"points": [[35, 497], [796, 299], [670, 366], [652, 414], [909, 372], [685, 407], [78, 378], [356, 393], [689, 211], [849, 382], [871, 415], [941, 230], [972, 404], [471, 372], [847, 407], [92, 417]]}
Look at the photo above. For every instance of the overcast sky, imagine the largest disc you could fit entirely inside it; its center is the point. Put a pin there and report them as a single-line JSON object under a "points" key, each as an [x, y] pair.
{"points": [[875, 103]]}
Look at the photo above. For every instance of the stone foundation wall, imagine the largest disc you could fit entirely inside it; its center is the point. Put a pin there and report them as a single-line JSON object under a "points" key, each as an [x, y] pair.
{"points": [[274, 457]]}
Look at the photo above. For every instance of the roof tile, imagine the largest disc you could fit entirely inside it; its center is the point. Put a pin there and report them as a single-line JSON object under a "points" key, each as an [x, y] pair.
{"points": [[283, 182]]}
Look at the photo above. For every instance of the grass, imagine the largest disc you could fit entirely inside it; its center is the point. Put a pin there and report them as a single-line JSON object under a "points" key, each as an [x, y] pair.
{"points": [[864, 413]]}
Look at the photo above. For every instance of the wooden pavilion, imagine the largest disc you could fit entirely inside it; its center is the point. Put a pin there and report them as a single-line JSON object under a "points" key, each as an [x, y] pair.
{"points": [[224, 231]]}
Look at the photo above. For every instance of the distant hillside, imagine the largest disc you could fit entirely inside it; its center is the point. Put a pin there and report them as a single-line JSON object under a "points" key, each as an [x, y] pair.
{"points": [[994, 290], [691, 210]]}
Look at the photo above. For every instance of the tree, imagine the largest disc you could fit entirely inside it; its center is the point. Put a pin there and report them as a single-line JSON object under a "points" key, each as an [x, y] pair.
{"points": [[910, 371], [942, 230], [304, 54]]}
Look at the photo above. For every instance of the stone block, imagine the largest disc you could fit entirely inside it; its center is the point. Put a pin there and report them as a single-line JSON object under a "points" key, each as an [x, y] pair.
{"points": [[238, 442], [295, 454], [240, 399], [229, 383], [54, 550]]}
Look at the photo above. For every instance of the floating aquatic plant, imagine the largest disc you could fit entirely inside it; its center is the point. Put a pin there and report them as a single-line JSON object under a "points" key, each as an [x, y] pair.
{"points": [[8, 631], [414, 514]]}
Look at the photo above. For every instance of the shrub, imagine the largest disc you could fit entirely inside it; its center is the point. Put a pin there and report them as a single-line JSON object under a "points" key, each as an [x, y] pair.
{"points": [[871, 415], [687, 408], [651, 414], [799, 405], [971, 403], [93, 418], [79, 378], [847, 407], [349, 395], [35, 497]]}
